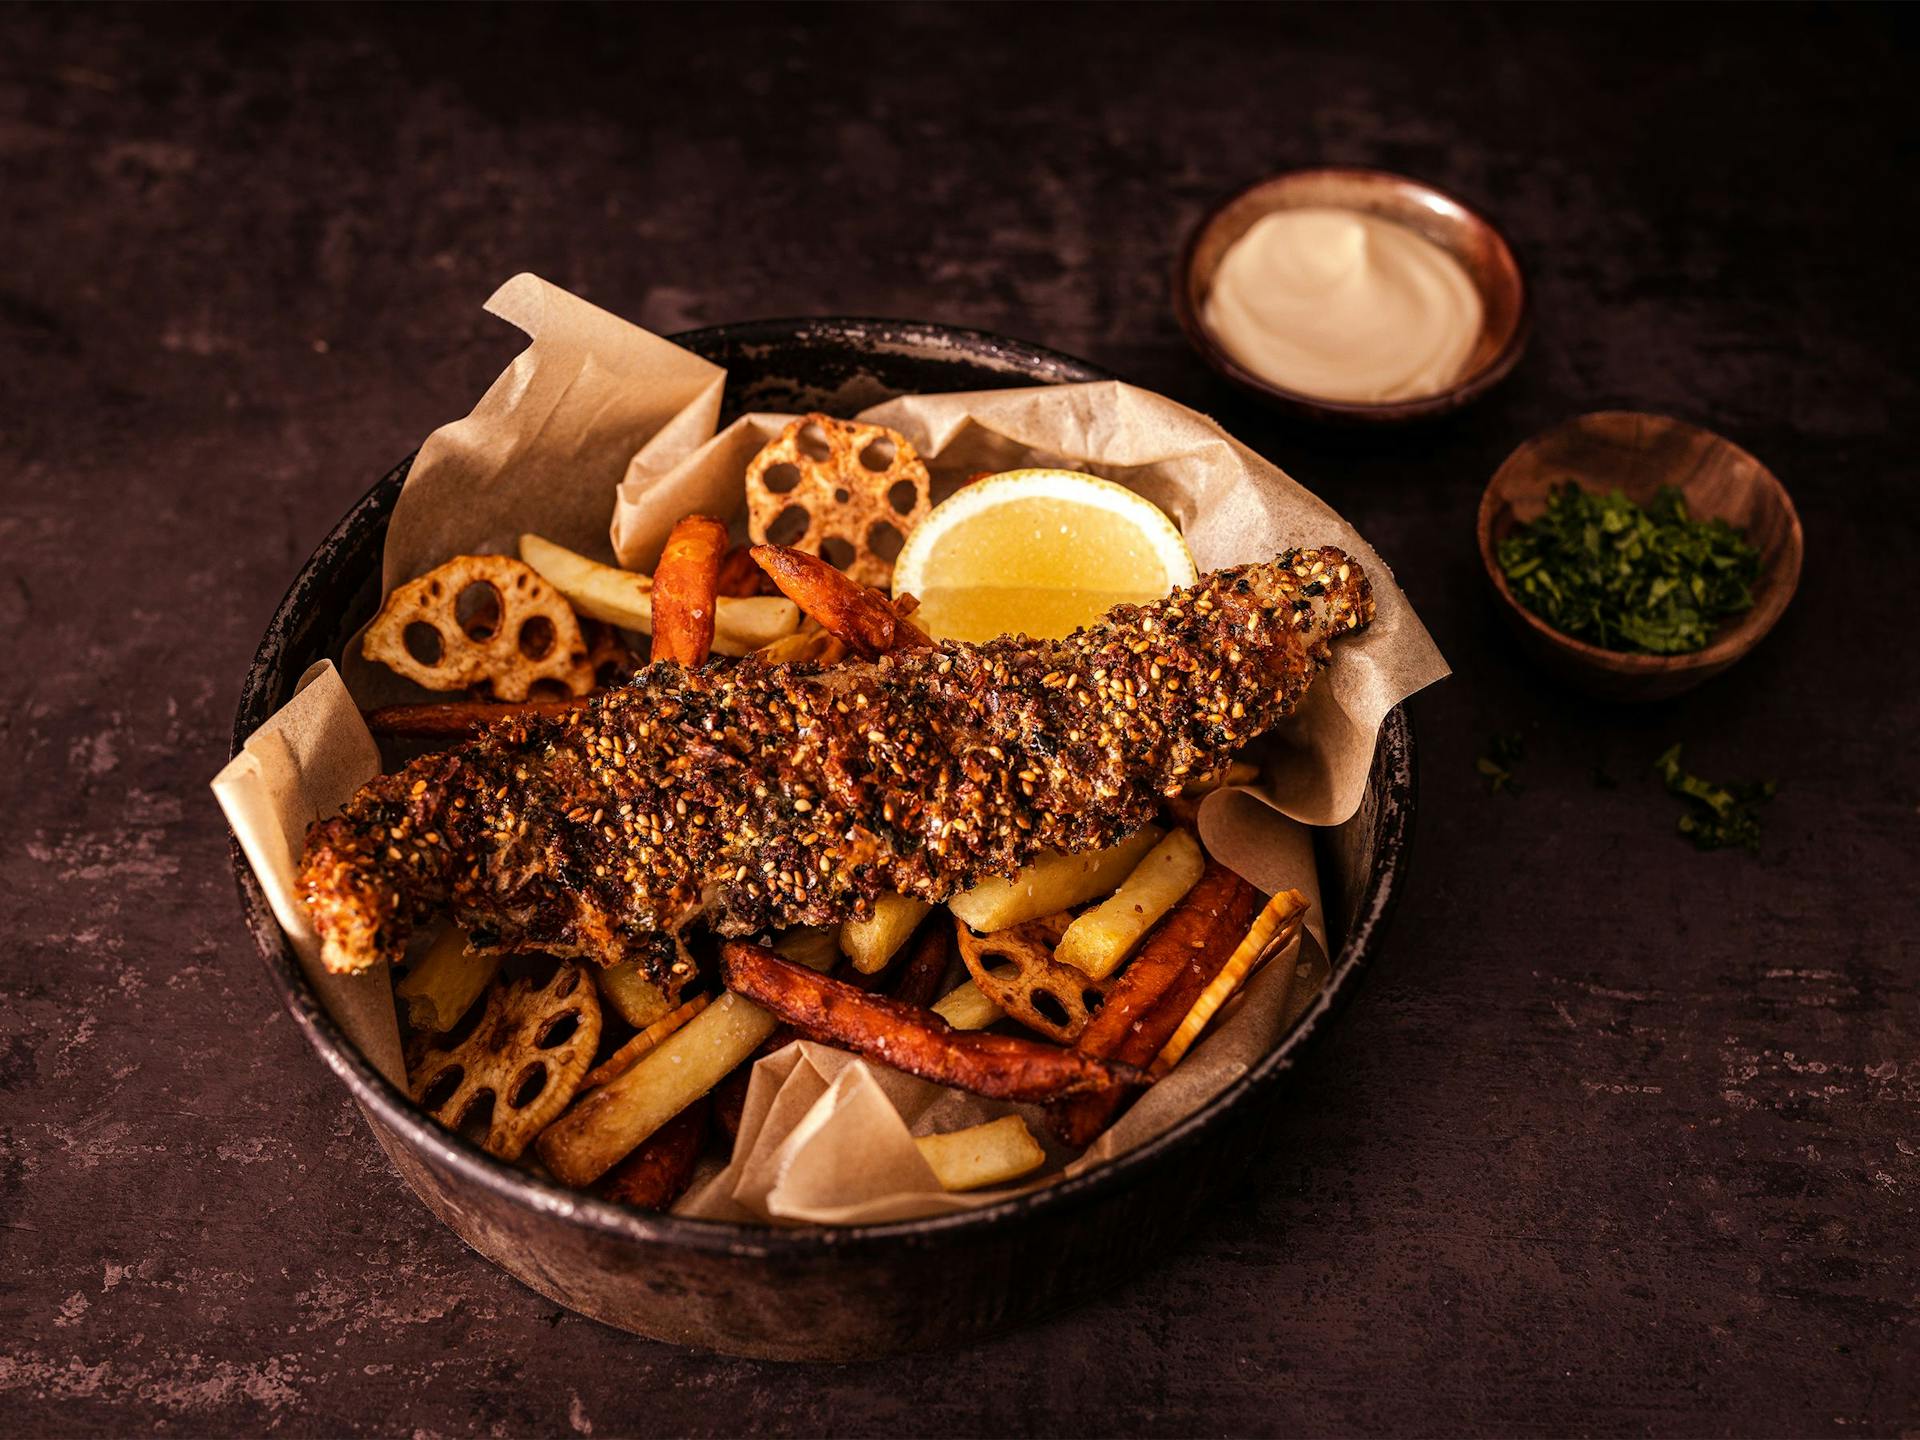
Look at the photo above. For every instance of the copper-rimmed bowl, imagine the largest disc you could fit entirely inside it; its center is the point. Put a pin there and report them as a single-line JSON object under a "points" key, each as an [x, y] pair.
{"points": [[817, 1293], [1638, 454], [1453, 225]]}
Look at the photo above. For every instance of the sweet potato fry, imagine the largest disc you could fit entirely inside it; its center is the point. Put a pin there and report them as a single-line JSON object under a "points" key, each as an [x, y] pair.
{"points": [[851, 612], [730, 1095], [740, 578], [929, 956], [684, 591], [1278, 923], [656, 1174], [1000, 1067], [457, 719], [1174, 966]]}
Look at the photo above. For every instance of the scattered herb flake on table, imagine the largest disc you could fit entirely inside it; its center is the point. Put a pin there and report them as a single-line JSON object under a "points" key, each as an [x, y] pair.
{"points": [[1502, 752], [1717, 815], [1603, 570]]}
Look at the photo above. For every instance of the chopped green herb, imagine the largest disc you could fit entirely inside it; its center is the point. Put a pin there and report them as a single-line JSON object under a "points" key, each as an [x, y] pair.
{"points": [[1502, 752], [1717, 815], [1655, 581]]}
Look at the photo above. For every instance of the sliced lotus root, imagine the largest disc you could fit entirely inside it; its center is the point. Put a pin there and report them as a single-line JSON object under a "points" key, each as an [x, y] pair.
{"points": [[847, 492], [481, 619], [1016, 970], [527, 1056]]}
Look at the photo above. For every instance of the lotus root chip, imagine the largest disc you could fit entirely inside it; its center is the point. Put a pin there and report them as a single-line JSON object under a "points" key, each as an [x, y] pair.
{"points": [[1016, 970], [836, 488], [529, 634], [528, 1055]]}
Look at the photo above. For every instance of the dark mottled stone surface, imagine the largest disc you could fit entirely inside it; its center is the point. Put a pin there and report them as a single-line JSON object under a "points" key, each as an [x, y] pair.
{"points": [[1620, 1138]]}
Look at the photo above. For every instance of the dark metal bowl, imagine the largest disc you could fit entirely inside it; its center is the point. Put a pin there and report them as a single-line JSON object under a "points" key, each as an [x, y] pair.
{"points": [[816, 1293]]}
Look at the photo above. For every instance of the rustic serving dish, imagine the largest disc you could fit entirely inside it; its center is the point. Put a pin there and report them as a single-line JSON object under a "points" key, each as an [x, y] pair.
{"points": [[1637, 454], [1451, 224], [815, 1293]]}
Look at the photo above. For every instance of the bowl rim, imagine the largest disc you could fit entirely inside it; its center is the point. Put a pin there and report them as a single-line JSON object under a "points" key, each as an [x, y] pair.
{"points": [[1469, 387], [1740, 634], [389, 1107]]}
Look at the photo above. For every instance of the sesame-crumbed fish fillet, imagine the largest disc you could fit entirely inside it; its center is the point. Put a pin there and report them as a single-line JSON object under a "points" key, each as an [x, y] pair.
{"points": [[757, 796]]}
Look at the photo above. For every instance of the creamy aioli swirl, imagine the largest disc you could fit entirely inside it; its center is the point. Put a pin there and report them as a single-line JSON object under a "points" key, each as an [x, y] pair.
{"points": [[1344, 306]]}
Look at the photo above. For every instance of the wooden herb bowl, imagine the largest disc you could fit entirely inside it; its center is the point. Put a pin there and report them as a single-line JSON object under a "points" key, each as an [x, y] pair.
{"points": [[1637, 454], [1454, 226]]}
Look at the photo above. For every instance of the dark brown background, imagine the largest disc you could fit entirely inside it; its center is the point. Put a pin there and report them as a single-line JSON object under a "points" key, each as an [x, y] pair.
{"points": [[1619, 1138]]}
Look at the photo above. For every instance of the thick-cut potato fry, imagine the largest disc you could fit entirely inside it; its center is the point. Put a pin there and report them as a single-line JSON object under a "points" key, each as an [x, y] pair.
{"points": [[966, 1007], [656, 1174], [1277, 924], [982, 1155], [620, 597], [643, 1044], [608, 1123], [634, 998], [684, 591], [1051, 884], [1100, 939], [1001, 1067], [861, 617], [1173, 966], [870, 944], [446, 982], [815, 946], [457, 719]]}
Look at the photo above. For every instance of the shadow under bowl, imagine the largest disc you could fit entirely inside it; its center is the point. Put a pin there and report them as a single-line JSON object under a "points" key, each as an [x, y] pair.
{"points": [[1638, 454], [1465, 234]]}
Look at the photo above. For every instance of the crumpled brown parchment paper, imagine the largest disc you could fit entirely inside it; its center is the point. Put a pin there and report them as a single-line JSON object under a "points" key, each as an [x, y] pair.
{"points": [[600, 435]]}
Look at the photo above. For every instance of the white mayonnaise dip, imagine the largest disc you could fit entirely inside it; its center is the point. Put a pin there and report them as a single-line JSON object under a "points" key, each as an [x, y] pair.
{"points": [[1344, 306]]}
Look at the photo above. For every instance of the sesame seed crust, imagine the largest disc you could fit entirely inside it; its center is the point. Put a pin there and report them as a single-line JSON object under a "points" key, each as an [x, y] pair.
{"points": [[754, 796]]}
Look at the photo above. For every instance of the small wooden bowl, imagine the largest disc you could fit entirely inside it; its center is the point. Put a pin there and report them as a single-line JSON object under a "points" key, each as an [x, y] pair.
{"points": [[1637, 454], [1454, 226]]}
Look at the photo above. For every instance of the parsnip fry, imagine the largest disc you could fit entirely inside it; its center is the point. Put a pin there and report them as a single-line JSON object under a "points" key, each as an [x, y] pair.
{"points": [[863, 618], [620, 597], [446, 982], [684, 591], [909, 1038], [608, 1123], [965, 1007], [982, 1155], [870, 944], [634, 998], [643, 1044], [1277, 925], [1104, 936], [1050, 884]]}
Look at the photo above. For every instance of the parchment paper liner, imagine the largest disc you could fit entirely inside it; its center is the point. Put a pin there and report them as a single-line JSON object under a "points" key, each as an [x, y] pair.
{"points": [[598, 417]]}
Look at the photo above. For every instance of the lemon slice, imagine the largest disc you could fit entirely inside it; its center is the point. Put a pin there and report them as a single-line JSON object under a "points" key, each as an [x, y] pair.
{"points": [[1037, 552]]}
